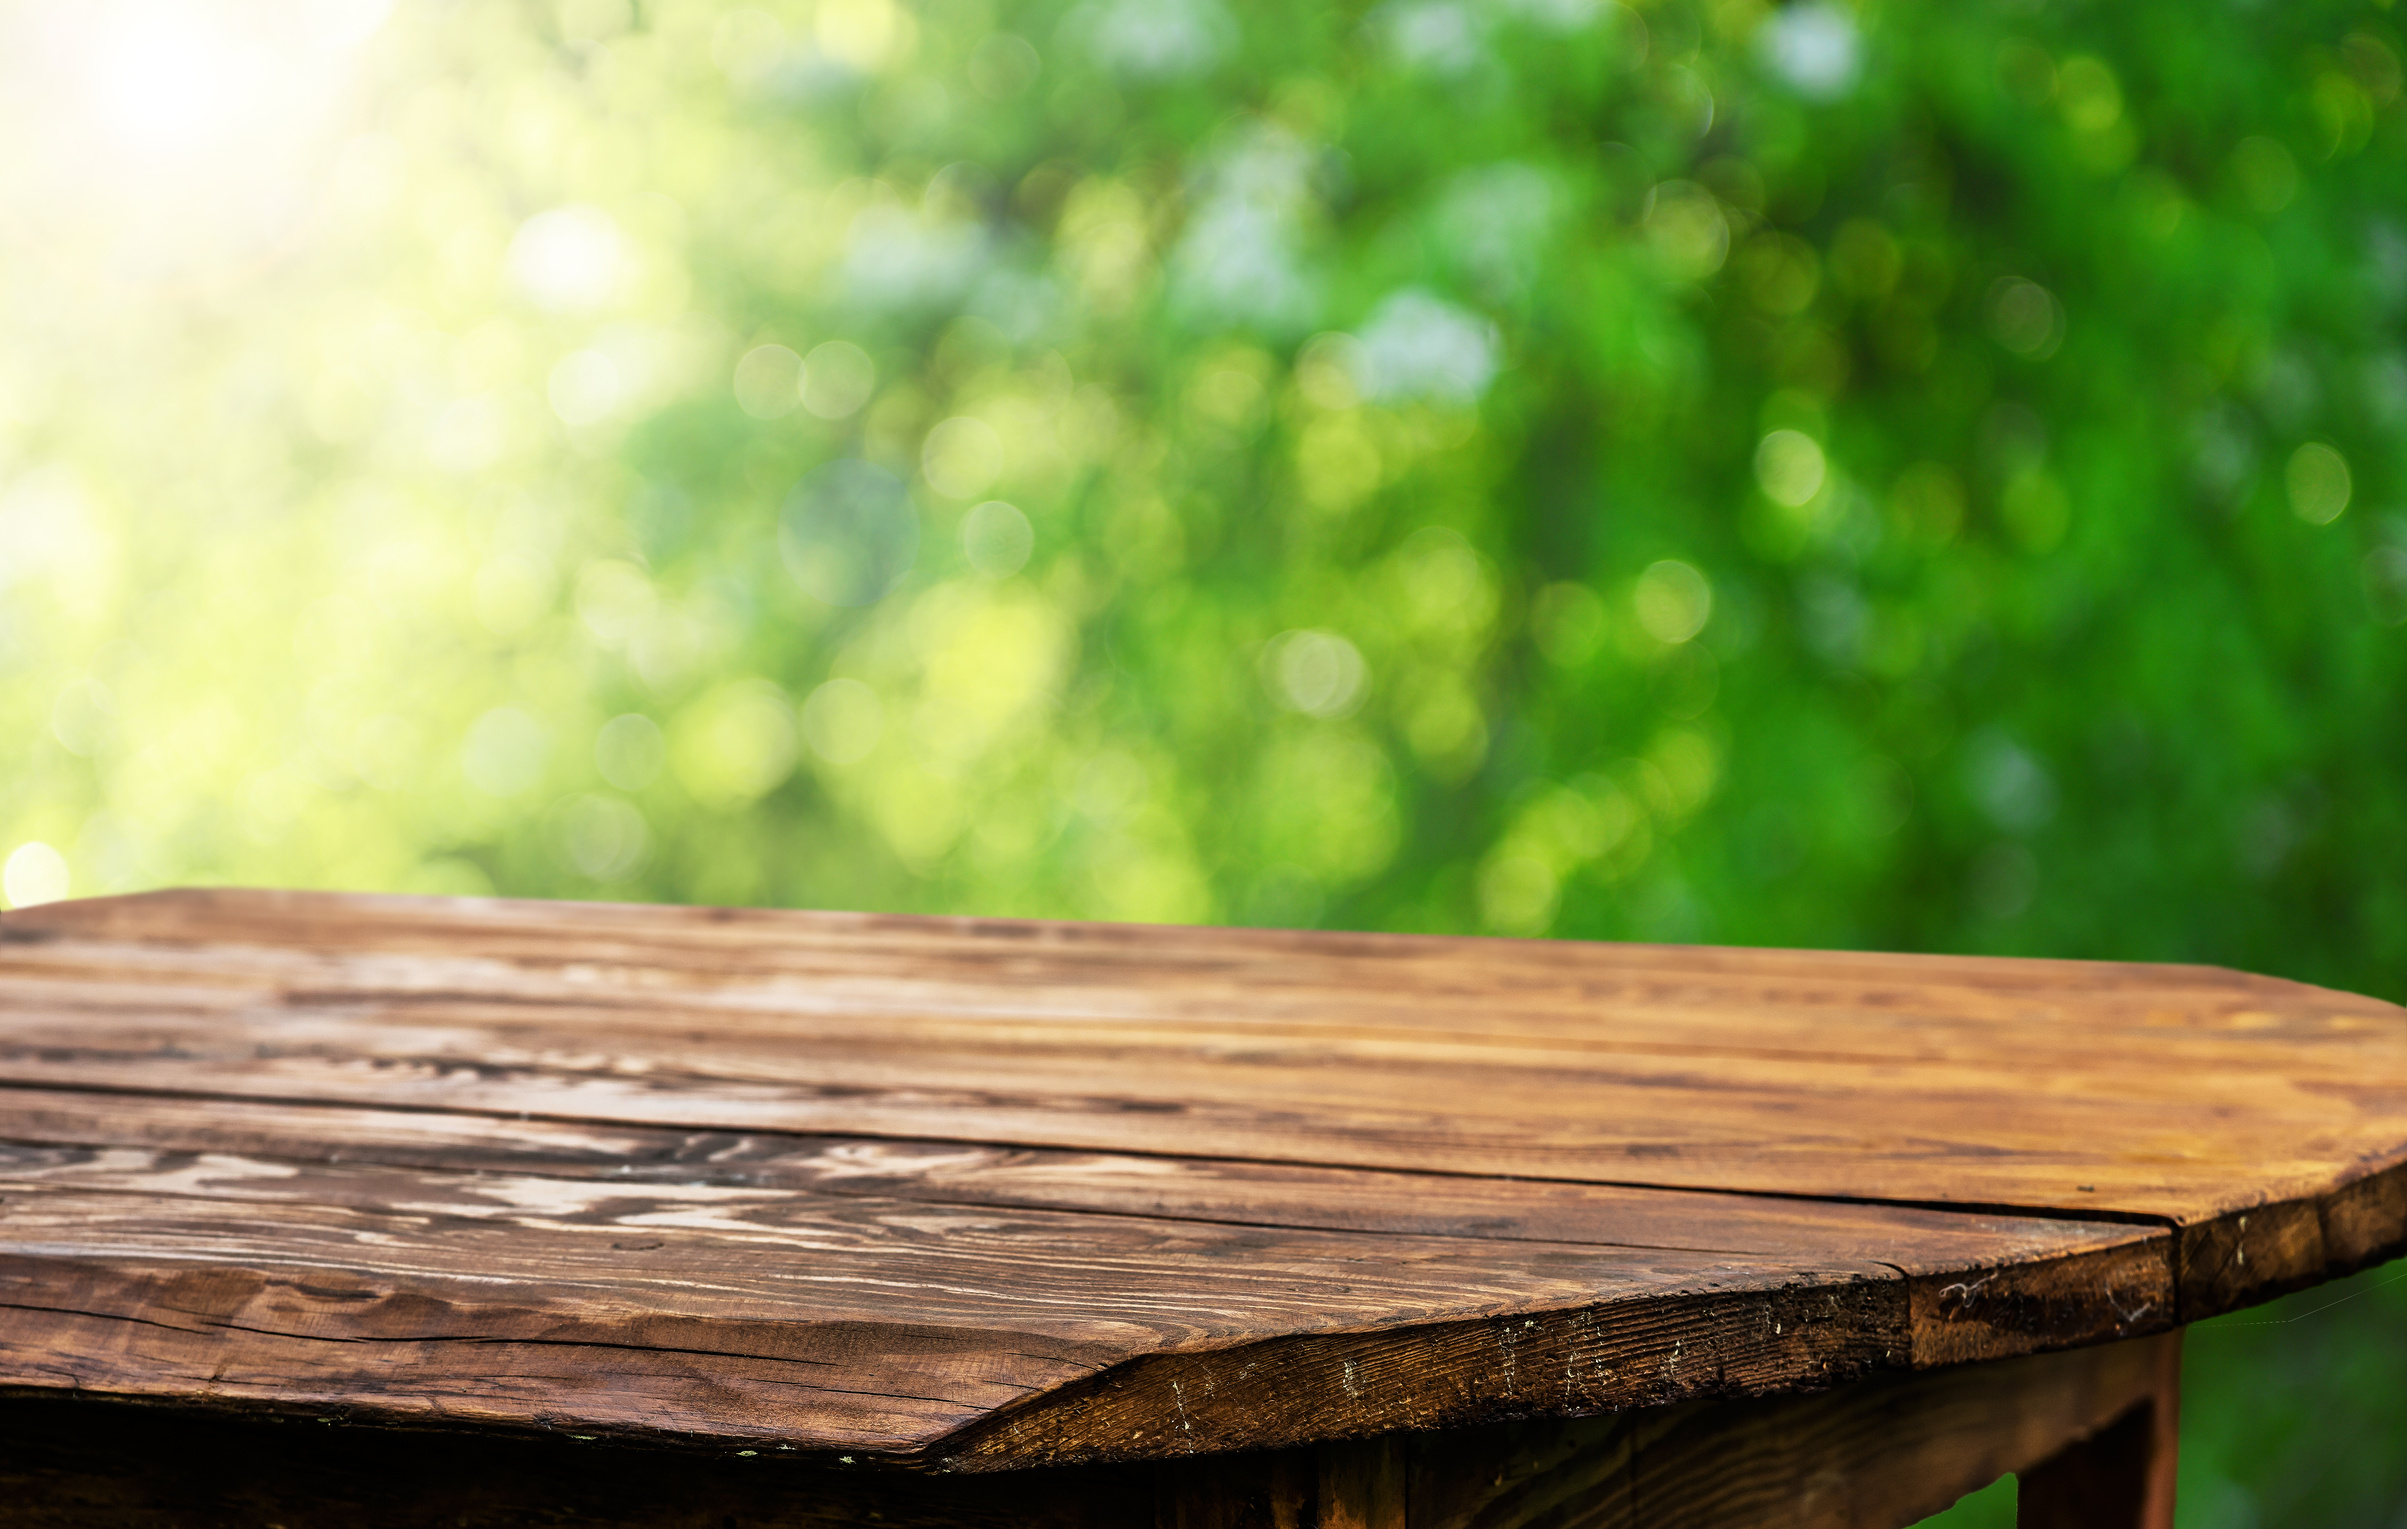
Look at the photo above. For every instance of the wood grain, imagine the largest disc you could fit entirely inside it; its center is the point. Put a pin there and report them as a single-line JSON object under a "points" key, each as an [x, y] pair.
{"points": [[1874, 1455], [983, 1195], [734, 1314], [1880, 1454], [1978, 1285], [2082, 1088], [980, 1337]]}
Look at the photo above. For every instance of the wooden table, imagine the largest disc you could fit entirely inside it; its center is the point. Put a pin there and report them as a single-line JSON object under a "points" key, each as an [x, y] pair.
{"points": [[330, 1210]]}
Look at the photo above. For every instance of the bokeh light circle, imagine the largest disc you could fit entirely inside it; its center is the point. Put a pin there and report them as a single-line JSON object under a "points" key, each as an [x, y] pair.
{"points": [[2319, 482], [1673, 601], [33, 873], [996, 538], [837, 379]]}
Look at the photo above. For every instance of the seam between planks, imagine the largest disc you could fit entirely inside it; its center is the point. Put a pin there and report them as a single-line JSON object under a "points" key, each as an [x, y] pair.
{"points": [[2103, 1215]]}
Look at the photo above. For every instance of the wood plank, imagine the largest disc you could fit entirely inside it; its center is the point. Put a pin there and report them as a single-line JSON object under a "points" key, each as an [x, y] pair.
{"points": [[751, 1309], [996, 1194], [2075, 1088], [1880, 1454], [1978, 1286], [738, 1316], [1874, 1455]]}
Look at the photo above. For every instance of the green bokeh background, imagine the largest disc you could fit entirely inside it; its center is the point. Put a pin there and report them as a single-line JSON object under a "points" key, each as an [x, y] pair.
{"points": [[1903, 477]]}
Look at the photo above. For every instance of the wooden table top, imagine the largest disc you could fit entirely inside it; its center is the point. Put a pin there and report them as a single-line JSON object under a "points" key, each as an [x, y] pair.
{"points": [[984, 1193]]}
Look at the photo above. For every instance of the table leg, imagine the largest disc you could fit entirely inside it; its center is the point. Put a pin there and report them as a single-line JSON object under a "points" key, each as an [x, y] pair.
{"points": [[2120, 1477], [1363, 1485]]}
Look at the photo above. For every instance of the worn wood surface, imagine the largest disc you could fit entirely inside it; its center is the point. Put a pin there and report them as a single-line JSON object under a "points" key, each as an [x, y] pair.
{"points": [[1878, 1454], [983, 1195], [722, 1289]]}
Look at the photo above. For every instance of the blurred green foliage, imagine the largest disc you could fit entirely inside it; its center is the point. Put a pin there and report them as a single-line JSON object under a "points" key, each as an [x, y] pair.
{"points": [[1910, 477]]}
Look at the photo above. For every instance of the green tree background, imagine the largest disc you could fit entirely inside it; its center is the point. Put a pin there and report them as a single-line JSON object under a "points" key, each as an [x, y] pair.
{"points": [[1924, 478]]}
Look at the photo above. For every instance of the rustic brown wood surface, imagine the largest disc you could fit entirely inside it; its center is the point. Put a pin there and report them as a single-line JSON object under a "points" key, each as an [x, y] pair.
{"points": [[983, 1195], [1885, 1451], [1875, 1454]]}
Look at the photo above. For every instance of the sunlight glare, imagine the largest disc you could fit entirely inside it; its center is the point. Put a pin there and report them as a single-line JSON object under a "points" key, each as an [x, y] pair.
{"points": [[170, 84], [205, 114]]}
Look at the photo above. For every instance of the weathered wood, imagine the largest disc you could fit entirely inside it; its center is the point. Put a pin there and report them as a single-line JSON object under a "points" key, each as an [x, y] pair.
{"points": [[889, 1323], [987, 1195], [2084, 1088], [1880, 1454], [850, 1323], [1875, 1455], [2252, 1255], [1979, 1286]]}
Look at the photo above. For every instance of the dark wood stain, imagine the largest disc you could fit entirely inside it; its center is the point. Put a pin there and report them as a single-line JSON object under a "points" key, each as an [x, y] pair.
{"points": [[1874, 1455], [990, 1196]]}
